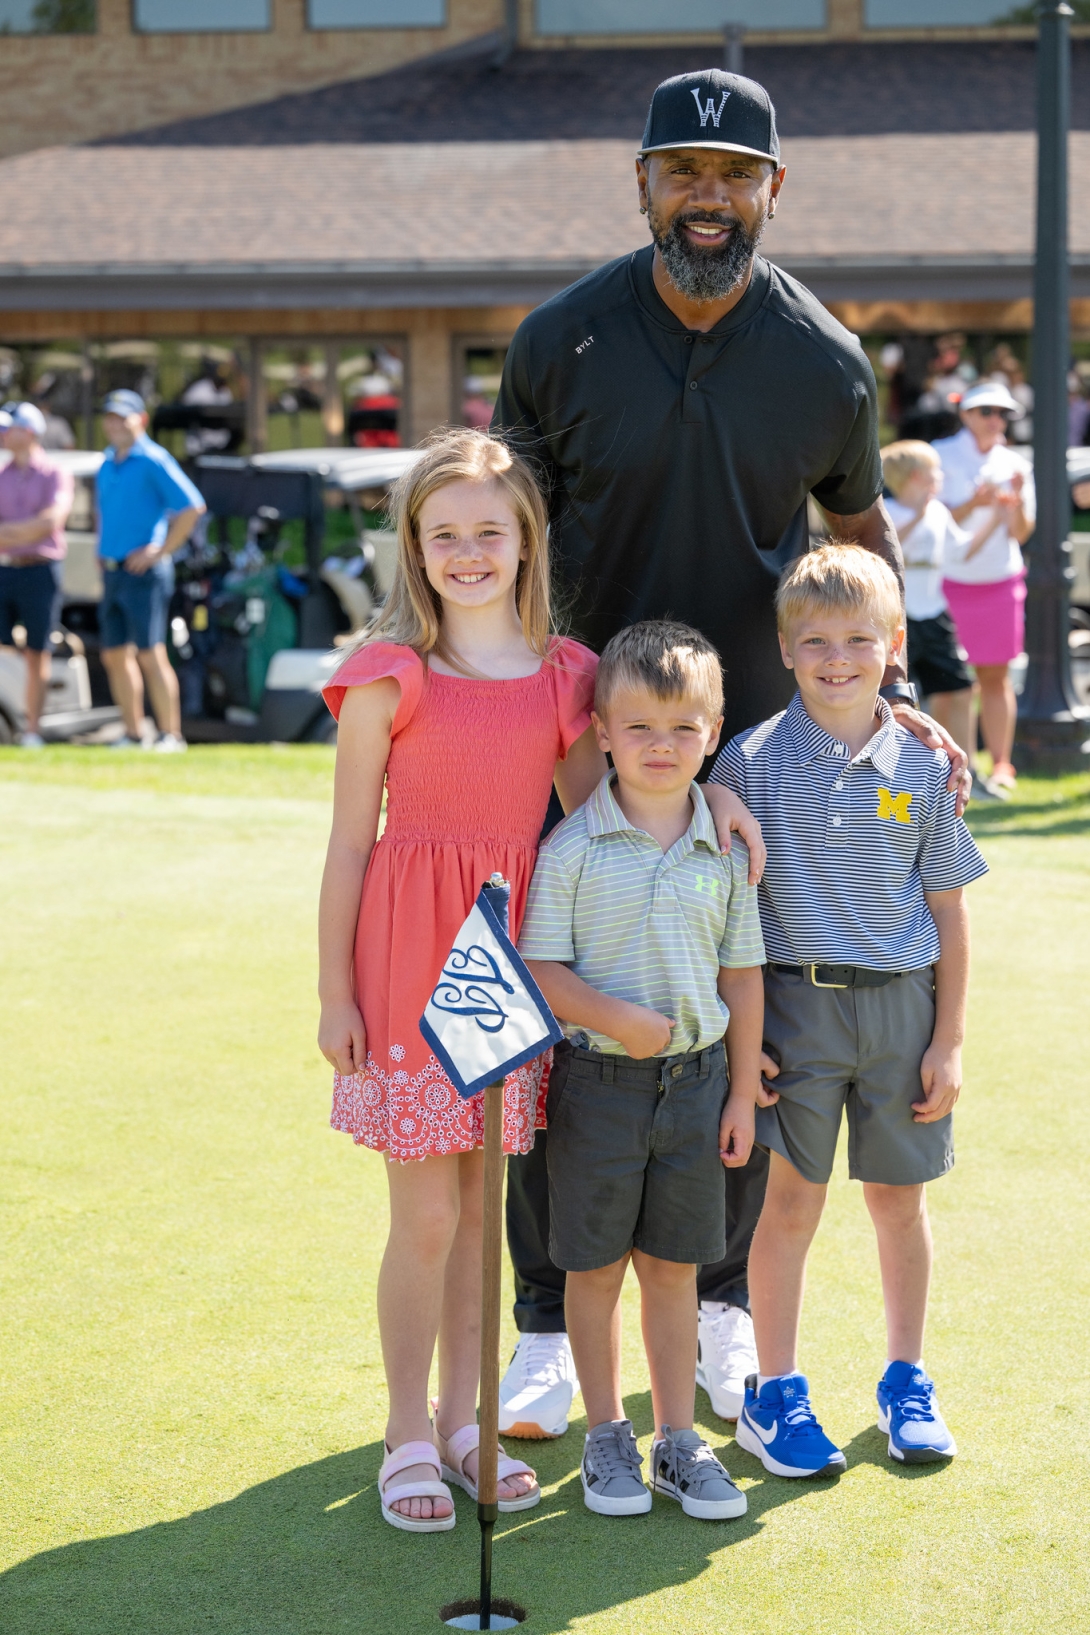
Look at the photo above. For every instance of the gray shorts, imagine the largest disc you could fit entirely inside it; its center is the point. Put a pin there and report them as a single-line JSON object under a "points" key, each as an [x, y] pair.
{"points": [[856, 1050], [634, 1157]]}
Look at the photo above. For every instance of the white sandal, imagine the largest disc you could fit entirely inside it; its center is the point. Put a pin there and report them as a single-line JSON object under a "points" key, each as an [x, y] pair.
{"points": [[413, 1453], [457, 1449]]}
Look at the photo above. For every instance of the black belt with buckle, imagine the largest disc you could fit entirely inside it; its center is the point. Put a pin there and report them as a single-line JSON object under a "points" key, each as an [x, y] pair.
{"points": [[838, 976]]}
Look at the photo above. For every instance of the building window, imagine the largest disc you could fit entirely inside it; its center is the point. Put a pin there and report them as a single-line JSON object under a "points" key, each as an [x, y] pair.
{"points": [[665, 17], [376, 13], [943, 13], [200, 16], [47, 16]]}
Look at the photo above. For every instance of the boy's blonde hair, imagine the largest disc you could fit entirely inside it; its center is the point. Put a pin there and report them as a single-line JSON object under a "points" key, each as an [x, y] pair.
{"points": [[901, 460], [412, 614], [841, 579], [669, 660]]}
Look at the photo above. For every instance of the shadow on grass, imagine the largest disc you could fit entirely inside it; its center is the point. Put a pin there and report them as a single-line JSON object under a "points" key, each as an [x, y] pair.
{"points": [[871, 1447], [307, 1553]]}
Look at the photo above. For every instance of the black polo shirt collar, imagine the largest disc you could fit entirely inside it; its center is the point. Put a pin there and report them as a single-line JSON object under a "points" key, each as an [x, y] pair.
{"points": [[654, 307]]}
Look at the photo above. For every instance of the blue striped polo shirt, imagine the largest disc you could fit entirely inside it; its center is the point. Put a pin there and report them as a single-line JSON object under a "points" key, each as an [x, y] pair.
{"points": [[853, 841]]}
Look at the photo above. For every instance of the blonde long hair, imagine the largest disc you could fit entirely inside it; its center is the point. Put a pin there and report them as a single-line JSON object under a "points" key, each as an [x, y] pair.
{"points": [[412, 615]]}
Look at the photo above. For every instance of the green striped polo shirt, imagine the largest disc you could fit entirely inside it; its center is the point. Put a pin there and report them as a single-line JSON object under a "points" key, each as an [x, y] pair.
{"points": [[641, 924]]}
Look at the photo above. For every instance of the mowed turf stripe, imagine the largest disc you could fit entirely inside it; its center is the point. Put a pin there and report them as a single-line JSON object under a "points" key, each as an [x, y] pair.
{"points": [[192, 1396]]}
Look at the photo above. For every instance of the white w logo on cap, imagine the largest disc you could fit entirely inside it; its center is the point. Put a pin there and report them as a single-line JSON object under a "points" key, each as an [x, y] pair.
{"points": [[710, 111]]}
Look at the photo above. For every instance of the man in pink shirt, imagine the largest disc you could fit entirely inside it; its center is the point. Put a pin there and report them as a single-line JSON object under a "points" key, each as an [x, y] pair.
{"points": [[35, 499]]}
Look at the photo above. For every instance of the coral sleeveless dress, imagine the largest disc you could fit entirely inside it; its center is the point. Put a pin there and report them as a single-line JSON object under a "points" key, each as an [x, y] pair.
{"points": [[467, 786]]}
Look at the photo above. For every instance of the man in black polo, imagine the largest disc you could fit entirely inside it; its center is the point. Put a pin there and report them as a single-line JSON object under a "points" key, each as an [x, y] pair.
{"points": [[684, 401]]}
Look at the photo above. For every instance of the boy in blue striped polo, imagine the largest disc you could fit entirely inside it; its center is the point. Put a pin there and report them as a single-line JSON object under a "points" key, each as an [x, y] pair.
{"points": [[646, 942], [867, 934]]}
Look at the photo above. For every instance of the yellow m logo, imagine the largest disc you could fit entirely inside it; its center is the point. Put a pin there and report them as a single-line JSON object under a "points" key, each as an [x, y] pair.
{"points": [[894, 806]]}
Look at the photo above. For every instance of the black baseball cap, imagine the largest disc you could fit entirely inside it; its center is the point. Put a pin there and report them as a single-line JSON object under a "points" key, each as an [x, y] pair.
{"points": [[712, 109]]}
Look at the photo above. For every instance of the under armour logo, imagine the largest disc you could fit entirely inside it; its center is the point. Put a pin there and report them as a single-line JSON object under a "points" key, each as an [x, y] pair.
{"points": [[710, 111], [702, 883], [894, 806]]}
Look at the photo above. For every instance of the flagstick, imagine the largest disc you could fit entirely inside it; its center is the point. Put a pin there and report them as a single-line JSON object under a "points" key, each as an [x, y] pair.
{"points": [[491, 1255]]}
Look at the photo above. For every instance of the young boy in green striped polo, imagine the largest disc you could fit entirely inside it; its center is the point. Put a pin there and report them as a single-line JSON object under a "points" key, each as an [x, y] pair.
{"points": [[646, 942]]}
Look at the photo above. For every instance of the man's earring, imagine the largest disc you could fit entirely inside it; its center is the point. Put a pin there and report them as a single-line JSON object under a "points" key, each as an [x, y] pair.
{"points": [[643, 210]]}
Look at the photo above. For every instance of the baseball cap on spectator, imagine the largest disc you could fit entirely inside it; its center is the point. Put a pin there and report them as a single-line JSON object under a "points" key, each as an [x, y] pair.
{"points": [[28, 417], [5, 420], [990, 394], [712, 109], [124, 403]]}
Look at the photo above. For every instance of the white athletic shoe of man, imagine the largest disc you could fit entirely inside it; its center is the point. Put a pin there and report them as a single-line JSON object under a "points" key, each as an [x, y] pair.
{"points": [[726, 1353], [537, 1390]]}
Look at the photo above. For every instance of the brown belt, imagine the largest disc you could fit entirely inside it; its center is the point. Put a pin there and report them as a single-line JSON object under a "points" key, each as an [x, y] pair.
{"points": [[23, 561]]}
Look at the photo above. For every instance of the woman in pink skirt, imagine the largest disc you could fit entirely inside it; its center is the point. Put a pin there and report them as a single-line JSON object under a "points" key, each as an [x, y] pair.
{"points": [[984, 582]]}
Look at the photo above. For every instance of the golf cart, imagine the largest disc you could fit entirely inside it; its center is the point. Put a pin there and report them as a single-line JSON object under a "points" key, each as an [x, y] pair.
{"points": [[260, 608]]}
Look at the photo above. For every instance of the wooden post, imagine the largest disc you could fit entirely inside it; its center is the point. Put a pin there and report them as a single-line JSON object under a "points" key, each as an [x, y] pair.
{"points": [[256, 416], [491, 1266]]}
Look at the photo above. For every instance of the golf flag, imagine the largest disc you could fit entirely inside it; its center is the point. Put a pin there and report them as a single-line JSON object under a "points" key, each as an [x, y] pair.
{"points": [[487, 1015]]}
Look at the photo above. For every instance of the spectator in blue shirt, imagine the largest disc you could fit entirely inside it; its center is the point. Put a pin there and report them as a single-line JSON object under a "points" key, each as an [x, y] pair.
{"points": [[147, 510]]}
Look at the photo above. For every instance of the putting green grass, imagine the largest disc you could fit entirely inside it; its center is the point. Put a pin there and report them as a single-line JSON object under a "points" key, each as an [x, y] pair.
{"points": [[191, 1390]]}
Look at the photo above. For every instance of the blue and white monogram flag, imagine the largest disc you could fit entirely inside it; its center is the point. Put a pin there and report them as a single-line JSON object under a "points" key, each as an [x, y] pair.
{"points": [[487, 1015]]}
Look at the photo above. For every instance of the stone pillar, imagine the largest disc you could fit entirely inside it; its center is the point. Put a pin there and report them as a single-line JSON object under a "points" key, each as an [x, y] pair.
{"points": [[845, 19]]}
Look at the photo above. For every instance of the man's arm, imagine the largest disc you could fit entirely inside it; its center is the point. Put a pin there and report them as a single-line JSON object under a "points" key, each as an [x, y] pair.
{"points": [[183, 524], [940, 1070], [34, 529]]}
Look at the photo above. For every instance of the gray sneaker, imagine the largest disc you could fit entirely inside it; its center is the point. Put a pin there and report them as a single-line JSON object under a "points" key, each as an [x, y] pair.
{"points": [[685, 1468], [612, 1484]]}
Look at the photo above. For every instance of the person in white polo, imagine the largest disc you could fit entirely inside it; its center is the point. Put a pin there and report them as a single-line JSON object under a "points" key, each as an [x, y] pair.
{"points": [[984, 580]]}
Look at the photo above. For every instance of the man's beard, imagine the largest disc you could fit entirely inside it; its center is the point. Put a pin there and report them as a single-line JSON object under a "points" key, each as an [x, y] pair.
{"points": [[704, 275]]}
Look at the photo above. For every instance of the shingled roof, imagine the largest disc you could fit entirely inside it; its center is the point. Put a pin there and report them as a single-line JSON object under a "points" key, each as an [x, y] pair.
{"points": [[847, 89], [472, 223]]}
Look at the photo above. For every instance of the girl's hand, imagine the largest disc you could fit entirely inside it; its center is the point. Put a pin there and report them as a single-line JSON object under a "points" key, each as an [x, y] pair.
{"points": [[644, 1032], [729, 813], [342, 1037]]}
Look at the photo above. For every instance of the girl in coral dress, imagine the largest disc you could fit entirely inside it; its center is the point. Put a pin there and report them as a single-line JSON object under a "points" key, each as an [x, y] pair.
{"points": [[467, 708]]}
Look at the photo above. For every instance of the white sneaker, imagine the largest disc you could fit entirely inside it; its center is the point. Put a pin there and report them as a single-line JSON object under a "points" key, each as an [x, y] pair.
{"points": [[31, 740], [726, 1353], [537, 1390], [171, 744], [125, 742]]}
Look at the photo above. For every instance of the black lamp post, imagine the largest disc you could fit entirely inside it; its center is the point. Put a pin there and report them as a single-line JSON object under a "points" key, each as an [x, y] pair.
{"points": [[1053, 728]]}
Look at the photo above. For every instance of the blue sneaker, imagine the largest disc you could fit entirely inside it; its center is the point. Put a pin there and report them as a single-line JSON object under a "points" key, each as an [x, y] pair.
{"points": [[778, 1425], [909, 1414]]}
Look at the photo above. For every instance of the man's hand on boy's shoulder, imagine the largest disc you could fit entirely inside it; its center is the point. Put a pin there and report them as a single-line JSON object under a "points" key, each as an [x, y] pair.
{"points": [[940, 1075], [929, 732], [732, 816]]}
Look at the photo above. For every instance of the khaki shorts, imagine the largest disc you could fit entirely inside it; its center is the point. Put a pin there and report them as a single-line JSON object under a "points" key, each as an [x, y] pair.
{"points": [[855, 1051]]}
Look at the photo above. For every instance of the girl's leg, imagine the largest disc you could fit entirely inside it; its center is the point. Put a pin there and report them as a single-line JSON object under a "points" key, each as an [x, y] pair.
{"points": [[954, 711], [998, 711], [777, 1263], [904, 1253], [460, 1322], [668, 1314], [592, 1305], [424, 1205]]}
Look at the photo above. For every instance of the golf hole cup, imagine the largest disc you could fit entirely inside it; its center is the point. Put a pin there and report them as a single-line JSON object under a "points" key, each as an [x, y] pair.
{"points": [[466, 1614]]}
